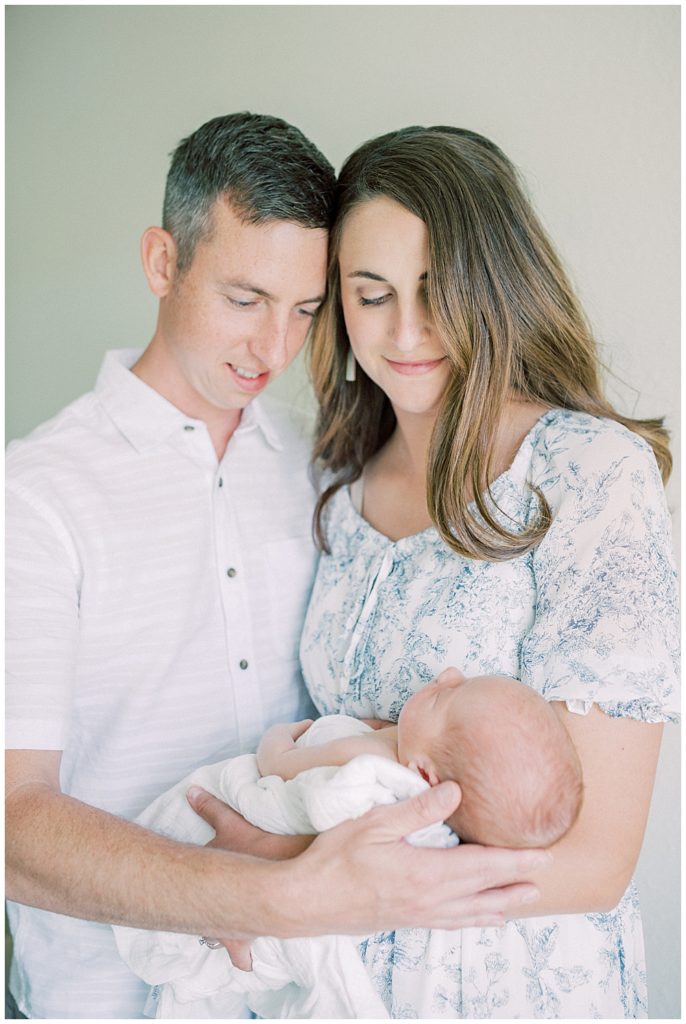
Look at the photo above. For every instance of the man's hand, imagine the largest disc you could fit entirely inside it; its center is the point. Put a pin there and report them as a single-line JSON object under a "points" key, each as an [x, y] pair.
{"points": [[239, 951], [237, 835], [277, 741], [363, 876]]}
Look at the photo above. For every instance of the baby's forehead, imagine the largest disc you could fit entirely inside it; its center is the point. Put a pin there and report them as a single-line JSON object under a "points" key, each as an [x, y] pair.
{"points": [[495, 697]]}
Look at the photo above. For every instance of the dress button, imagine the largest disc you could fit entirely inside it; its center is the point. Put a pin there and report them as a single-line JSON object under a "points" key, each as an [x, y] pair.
{"points": [[231, 573], [243, 663], [188, 426]]}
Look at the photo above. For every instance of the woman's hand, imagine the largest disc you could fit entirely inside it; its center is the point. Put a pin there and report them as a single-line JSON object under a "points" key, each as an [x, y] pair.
{"points": [[277, 741]]}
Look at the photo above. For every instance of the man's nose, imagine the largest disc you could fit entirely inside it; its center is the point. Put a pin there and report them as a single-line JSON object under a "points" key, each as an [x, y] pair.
{"points": [[271, 344]]}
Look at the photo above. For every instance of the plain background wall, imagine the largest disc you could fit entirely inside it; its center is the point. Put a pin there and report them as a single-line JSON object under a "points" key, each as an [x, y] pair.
{"points": [[583, 99]]}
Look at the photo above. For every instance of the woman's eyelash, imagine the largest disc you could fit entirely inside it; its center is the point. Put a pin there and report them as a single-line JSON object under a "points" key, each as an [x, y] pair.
{"points": [[373, 302]]}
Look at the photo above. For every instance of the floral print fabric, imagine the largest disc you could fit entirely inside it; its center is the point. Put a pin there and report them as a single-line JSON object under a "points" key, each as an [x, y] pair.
{"points": [[590, 615]]}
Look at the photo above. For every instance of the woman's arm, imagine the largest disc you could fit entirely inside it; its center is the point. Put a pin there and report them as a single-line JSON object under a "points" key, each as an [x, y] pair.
{"points": [[594, 862]]}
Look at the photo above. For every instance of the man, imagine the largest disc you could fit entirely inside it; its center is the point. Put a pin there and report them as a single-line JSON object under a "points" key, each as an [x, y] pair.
{"points": [[159, 564]]}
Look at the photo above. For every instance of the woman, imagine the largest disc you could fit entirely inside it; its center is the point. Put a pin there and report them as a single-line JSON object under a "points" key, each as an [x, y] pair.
{"points": [[485, 507]]}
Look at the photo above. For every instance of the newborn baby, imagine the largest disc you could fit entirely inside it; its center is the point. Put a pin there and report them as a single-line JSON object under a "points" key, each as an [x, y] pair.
{"points": [[498, 739]]}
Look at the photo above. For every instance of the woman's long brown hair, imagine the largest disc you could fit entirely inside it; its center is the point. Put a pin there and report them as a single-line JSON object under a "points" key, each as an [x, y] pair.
{"points": [[507, 316]]}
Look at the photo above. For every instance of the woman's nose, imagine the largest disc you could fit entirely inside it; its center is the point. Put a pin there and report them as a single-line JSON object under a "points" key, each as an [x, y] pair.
{"points": [[411, 327]]}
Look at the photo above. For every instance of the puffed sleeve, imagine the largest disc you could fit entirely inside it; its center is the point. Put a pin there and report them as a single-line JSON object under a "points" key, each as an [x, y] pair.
{"points": [[42, 618], [606, 617]]}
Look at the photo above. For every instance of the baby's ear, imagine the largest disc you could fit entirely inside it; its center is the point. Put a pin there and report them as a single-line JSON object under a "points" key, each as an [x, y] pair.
{"points": [[426, 768]]}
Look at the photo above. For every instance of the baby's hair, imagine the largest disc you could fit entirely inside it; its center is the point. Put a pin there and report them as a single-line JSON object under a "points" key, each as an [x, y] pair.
{"points": [[519, 772]]}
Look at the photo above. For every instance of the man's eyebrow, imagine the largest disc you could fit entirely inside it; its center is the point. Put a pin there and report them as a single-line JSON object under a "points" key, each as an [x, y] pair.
{"points": [[247, 286], [377, 277]]}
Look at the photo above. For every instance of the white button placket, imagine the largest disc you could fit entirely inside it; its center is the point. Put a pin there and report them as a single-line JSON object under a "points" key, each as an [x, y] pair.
{"points": [[233, 584]]}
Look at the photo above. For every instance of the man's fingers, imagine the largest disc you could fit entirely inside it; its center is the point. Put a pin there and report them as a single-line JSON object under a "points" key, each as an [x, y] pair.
{"points": [[407, 816], [505, 901], [206, 806], [497, 868], [489, 908]]}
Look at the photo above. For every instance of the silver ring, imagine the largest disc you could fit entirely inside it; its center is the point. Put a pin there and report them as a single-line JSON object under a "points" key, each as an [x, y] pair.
{"points": [[209, 943]]}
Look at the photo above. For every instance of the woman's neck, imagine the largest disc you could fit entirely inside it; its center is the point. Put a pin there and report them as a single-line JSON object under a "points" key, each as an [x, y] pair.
{"points": [[409, 444], [394, 482]]}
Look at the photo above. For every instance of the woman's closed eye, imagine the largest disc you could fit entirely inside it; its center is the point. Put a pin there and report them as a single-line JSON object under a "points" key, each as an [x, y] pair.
{"points": [[376, 300]]}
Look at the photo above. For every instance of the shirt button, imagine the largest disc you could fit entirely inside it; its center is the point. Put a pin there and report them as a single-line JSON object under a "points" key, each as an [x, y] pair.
{"points": [[243, 663], [188, 426], [231, 573]]}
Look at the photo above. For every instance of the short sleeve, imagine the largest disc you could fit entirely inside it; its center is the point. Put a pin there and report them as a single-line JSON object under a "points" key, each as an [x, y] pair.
{"points": [[606, 618], [41, 628]]}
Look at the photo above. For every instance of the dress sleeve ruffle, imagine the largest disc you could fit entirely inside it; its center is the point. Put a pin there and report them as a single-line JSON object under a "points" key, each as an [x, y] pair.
{"points": [[606, 621]]}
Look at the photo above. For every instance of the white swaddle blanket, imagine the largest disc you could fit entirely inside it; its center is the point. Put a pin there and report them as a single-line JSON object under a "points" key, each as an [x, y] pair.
{"points": [[320, 977]]}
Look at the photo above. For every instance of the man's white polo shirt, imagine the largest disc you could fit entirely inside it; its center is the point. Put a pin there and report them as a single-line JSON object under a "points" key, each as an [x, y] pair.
{"points": [[155, 600]]}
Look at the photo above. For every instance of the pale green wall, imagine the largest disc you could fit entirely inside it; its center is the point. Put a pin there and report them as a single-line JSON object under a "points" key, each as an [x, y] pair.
{"points": [[584, 99]]}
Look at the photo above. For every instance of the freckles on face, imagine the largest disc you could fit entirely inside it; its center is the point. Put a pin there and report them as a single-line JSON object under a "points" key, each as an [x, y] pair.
{"points": [[241, 311]]}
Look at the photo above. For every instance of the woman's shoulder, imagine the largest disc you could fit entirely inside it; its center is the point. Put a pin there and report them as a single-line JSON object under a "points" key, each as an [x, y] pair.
{"points": [[571, 447]]}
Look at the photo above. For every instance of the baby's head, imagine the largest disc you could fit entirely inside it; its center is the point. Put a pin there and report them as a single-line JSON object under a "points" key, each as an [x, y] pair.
{"points": [[507, 748]]}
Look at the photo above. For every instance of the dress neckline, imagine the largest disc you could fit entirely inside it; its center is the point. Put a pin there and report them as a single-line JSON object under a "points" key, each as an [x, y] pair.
{"points": [[497, 484]]}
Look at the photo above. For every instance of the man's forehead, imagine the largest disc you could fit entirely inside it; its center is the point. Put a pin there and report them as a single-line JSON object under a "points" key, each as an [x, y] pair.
{"points": [[244, 284], [225, 210]]}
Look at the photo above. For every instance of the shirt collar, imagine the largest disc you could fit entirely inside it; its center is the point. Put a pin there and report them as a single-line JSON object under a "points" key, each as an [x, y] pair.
{"points": [[147, 419], [257, 415]]}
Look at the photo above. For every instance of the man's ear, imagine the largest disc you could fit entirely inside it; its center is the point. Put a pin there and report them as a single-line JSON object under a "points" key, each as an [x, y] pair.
{"points": [[158, 254]]}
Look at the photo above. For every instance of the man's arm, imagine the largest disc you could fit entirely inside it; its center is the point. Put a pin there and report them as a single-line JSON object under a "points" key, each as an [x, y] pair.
{"points": [[362, 876], [65, 856]]}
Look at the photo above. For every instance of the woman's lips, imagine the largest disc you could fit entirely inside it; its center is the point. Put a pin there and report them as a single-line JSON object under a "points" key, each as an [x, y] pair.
{"points": [[416, 368]]}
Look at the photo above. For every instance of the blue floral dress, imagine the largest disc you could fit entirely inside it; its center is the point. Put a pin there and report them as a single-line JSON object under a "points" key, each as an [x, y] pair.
{"points": [[590, 615]]}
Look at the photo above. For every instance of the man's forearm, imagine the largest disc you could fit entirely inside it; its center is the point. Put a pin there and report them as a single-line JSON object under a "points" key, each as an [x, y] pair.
{"points": [[70, 858], [359, 877]]}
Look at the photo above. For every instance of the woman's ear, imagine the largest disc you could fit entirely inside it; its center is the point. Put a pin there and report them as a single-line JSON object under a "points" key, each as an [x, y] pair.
{"points": [[158, 254]]}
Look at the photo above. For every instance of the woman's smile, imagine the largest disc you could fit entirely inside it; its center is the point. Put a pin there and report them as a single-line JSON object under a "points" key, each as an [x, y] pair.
{"points": [[414, 368]]}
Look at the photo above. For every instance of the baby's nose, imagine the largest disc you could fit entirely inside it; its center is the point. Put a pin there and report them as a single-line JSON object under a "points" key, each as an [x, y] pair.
{"points": [[449, 677]]}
